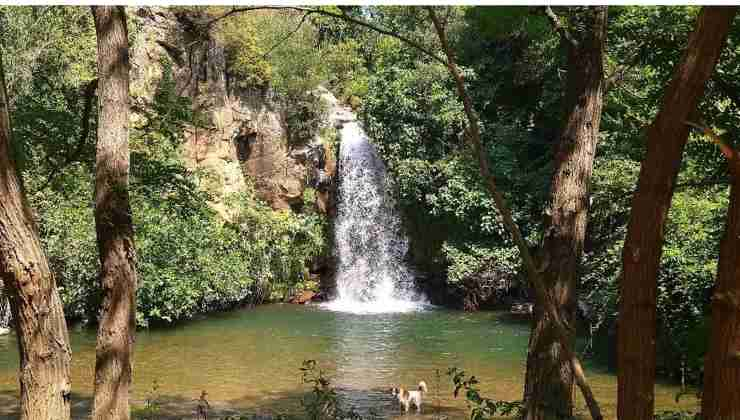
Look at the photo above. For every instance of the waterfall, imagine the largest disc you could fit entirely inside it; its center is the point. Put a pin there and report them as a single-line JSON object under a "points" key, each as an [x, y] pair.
{"points": [[372, 275]]}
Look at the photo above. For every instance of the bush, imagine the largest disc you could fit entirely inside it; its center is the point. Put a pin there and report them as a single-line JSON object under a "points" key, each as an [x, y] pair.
{"points": [[304, 114], [189, 260], [481, 408]]}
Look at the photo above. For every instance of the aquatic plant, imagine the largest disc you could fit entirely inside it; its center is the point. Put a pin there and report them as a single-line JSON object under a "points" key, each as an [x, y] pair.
{"points": [[481, 407], [323, 403]]}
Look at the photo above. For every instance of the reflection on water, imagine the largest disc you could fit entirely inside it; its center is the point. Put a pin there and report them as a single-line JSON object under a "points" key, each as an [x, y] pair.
{"points": [[248, 360]]}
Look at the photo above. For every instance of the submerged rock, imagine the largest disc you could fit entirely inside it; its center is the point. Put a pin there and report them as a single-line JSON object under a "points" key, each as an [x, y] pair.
{"points": [[522, 308]]}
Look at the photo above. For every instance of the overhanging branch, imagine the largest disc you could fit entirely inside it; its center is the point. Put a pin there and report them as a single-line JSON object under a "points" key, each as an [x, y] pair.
{"points": [[558, 26], [286, 37], [343, 16]]}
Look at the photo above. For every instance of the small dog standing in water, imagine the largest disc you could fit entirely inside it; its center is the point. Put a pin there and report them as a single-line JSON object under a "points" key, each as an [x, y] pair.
{"points": [[406, 397]]}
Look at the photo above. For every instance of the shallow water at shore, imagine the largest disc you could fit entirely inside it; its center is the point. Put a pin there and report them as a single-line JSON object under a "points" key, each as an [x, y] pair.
{"points": [[248, 361]]}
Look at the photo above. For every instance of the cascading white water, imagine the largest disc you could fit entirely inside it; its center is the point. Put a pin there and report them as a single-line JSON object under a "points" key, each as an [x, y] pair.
{"points": [[372, 275]]}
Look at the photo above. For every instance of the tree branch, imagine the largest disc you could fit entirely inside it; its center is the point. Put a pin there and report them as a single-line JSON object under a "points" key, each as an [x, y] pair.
{"points": [[730, 153], [562, 30], [343, 16], [235, 10], [290, 34], [88, 95], [617, 76]]}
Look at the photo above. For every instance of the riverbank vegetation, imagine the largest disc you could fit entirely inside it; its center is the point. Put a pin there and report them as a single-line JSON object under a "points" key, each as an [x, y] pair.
{"points": [[557, 156]]}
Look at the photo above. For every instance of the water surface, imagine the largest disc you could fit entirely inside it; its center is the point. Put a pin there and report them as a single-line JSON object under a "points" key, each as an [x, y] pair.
{"points": [[249, 360]]}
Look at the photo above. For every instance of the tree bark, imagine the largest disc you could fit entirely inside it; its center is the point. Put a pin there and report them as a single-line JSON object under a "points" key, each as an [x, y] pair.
{"points": [[43, 341], [643, 246], [533, 272], [113, 222], [721, 397], [548, 392]]}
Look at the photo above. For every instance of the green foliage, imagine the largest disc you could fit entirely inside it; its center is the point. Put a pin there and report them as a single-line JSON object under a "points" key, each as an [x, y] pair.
{"points": [[502, 21], [67, 229], [322, 403], [481, 408], [169, 111], [472, 259], [413, 115], [47, 63], [245, 53], [293, 54], [191, 262], [43, 40], [677, 415], [309, 197], [304, 114], [276, 245], [347, 74], [152, 405]]}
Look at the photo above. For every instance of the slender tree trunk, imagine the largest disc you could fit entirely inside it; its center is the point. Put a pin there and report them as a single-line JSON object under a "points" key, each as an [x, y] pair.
{"points": [[721, 399], [643, 246], [548, 392], [114, 351], [533, 272], [43, 341]]}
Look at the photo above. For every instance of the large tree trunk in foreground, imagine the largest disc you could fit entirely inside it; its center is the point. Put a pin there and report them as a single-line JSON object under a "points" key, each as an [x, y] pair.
{"points": [[43, 342], [114, 351], [721, 399], [548, 392], [643, 246]]}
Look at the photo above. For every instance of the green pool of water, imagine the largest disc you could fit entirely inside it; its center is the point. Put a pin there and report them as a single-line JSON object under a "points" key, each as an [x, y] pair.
{"points": [[249, 360]]}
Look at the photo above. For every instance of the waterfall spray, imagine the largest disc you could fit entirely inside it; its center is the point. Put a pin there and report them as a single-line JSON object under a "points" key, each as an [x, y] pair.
{"points": [[372, 275]]}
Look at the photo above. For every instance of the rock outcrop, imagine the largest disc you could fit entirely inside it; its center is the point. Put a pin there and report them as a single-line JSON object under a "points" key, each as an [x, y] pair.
{"points": [[241, 137]]}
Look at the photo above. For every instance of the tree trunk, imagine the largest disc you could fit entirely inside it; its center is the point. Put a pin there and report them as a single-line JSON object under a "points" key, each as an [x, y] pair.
{"points": [[548, 392], [721, 399], [43, 341], [533, 273], [643, 246], [114, 351]]}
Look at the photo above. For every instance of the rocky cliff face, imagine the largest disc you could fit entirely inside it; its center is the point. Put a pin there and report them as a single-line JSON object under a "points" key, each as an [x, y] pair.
{"points": [[241, 137]]}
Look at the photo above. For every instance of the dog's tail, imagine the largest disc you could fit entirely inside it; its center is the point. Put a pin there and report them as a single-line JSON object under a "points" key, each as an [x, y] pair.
{"points": [[423, 386]]}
